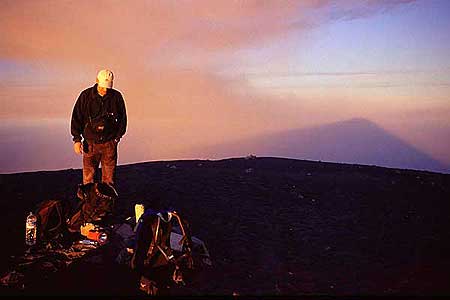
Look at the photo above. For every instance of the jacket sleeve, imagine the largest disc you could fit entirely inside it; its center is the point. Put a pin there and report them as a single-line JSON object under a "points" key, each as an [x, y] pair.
{"points": [[122, 122], [77, 121]]}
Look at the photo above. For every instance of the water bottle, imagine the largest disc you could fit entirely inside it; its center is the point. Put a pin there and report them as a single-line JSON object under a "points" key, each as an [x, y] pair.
{"points": [[31, 230]]}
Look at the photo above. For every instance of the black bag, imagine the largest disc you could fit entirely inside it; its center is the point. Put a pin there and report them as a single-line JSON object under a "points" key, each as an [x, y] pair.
{"points": [[96, 201], [51, 215], [153, 254], [104, 124]]}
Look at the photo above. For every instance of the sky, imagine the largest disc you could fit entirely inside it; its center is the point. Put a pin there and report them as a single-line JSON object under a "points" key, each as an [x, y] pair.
{"points": [[200, 73]]}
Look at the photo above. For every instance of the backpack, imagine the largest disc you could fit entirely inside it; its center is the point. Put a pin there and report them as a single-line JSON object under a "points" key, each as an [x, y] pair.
{"points": [[153, 250], [51, 218], [96, 200]]}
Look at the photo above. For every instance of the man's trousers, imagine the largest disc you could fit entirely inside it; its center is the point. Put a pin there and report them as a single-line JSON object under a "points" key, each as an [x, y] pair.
{"points": [[104, 154]]}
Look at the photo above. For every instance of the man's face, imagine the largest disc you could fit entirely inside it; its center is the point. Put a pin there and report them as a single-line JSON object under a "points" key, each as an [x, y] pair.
{"points": [[102, 90]]}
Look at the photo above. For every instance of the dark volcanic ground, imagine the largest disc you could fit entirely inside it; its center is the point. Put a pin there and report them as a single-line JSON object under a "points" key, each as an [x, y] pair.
{"points": [[279, 226]]}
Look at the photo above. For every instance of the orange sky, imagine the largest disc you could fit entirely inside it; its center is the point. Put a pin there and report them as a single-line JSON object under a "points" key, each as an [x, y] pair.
{"points": [[202, 72]]}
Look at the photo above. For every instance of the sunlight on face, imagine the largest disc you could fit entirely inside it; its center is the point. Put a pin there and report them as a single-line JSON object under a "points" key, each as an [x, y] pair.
{"points": [[101, 90]]}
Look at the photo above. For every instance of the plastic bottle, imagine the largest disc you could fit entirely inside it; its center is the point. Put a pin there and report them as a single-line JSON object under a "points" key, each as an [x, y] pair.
{"points": [[31, 230]]}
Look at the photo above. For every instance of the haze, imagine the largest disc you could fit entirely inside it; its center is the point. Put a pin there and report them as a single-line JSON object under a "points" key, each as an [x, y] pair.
{"points": [[196, 74]]}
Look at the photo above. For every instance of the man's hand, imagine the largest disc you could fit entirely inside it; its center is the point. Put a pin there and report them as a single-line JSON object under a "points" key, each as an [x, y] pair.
{"points": [[78, 148]]}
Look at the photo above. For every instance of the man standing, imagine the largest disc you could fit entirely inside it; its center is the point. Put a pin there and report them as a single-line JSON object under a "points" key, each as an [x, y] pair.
{"points": [[99, 121]]}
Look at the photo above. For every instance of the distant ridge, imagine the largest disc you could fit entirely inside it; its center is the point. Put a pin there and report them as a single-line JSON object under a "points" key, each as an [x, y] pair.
{"points": [[356, 140]]}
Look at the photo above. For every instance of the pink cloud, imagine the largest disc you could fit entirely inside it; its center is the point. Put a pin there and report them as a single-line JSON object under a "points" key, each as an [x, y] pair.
{"points": [[133, 33], [144, 43], [112, 30]]}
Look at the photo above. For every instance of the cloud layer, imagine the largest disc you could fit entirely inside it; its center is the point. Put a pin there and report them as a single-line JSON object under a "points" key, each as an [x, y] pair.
{"points": [[168, 57]]}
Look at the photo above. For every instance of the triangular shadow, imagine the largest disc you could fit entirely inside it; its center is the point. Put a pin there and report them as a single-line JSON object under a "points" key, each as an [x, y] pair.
{"points": [[357, 141]]}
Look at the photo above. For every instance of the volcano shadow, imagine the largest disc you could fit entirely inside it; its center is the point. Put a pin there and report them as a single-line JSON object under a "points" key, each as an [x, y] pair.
{"points": [[358, 141]]}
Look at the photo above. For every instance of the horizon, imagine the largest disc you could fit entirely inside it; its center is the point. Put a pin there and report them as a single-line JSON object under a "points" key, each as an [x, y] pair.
{"points": [[200, 74], [249, 156], [415, 160]]}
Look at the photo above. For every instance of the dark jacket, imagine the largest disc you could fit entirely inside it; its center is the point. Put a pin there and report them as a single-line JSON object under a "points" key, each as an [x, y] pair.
{"points": [[99, 119]]}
